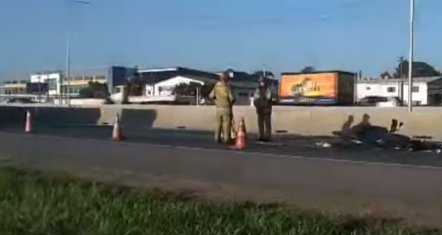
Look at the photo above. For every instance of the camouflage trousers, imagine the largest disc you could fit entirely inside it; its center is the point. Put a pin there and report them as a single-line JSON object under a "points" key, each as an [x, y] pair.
{"points": [[223, 129]]}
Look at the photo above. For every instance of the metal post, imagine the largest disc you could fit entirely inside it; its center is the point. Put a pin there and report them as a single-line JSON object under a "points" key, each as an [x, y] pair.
{"points": [[198, 95], [67, 78], [264, 71], [401, 78], [410, 58], [68, 70]]}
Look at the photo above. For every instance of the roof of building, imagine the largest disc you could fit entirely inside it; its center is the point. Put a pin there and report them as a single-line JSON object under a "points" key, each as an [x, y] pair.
{"points": [[151, 76], [243, 77], [397, 80], [162, 69], [319, 72], [45, 72], [83, 71], [15, 81], [201, 78]]}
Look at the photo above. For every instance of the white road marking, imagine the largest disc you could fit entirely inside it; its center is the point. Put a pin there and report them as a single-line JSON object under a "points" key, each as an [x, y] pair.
{"points": [[272, 155]]}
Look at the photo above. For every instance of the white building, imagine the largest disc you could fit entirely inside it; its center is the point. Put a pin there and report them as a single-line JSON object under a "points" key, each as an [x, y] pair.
{"points": [[53, 79], [425, 90], [161, 82], [242, 91]]}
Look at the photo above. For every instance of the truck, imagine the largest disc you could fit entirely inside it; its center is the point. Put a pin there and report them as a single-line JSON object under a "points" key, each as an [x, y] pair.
{"points": [[317, 88]]}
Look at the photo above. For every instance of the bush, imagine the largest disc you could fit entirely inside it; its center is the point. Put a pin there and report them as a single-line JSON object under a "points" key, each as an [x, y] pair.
{"points": [[94, 90]]}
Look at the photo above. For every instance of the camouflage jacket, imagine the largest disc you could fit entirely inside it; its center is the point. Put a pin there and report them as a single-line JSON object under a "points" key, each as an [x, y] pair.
{"points": [[223, 96]]}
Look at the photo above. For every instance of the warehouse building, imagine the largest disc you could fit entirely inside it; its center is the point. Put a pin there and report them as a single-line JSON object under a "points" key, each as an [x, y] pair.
{"points": [[58, 84]]}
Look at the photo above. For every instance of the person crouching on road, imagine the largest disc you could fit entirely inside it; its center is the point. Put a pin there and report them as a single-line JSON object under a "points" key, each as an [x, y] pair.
{"points": [[262, 100], [224, 98]]}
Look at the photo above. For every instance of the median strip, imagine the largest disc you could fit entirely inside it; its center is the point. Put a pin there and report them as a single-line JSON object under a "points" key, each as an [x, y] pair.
{"points": [[41, 203]]}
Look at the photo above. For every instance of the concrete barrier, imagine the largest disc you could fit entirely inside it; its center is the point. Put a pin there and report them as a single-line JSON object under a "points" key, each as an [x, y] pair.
{"points": [[310, 121], [83, 102], [10, 115]]}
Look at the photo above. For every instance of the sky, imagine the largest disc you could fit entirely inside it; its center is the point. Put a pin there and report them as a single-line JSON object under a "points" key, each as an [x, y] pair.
{"points": [[282, 35]]}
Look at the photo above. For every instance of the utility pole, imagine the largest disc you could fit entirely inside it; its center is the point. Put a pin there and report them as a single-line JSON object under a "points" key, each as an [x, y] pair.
{"points": [[401, 78], [64, 89], [410, 58], [264, 71], [67, 78]]}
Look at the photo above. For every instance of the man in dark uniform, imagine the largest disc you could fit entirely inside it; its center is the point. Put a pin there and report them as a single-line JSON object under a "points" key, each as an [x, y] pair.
{"points": [[224, 98], [130, 83], [262, 100]]}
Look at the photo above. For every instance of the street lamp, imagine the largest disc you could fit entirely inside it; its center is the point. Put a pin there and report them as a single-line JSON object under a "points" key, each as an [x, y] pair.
{"points": [[410, 58], [68, 54]]}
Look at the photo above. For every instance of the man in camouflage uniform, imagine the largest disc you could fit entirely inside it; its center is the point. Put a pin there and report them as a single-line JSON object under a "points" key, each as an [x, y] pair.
{"points": [[262, 100], [224, 98]]}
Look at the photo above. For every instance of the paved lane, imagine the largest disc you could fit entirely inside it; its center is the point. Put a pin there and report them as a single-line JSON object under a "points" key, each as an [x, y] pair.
{"points": [[304, 147], [404, 191]]}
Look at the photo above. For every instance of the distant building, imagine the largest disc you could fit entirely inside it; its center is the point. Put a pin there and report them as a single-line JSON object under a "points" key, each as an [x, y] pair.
{"points": [[425, 90], [13, 87], [58, 84], [162, 81]]}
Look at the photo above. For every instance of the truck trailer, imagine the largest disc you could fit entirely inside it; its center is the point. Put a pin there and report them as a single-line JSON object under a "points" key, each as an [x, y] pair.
{"points": [[317, 88]]}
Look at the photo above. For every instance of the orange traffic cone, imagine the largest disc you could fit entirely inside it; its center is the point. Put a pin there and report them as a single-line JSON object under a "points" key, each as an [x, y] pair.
{"points": [[241, 140], [117, 134], [28, 124], [233, 131]]}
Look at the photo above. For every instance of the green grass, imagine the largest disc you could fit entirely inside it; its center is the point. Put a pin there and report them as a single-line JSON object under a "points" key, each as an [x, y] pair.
{"points": [[35, 203]]}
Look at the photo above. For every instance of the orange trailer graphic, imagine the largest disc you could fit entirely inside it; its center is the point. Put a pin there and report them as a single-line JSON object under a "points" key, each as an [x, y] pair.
{"points": [[317, 88]]}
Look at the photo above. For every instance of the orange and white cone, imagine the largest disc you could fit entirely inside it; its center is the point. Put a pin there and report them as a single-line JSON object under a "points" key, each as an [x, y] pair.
{"points": [[241, 136], [233, 131], [28, 123], [117, 134]]}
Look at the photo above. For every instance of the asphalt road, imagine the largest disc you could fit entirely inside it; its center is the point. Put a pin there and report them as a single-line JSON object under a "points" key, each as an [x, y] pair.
{"points": [[296, 146], [390, 183]]}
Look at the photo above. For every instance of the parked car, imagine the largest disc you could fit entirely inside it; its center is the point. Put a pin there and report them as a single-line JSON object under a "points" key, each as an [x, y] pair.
{"points": [[380, 101]]}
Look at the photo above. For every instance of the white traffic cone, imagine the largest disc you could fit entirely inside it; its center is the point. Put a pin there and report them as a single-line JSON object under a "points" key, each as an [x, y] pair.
{"points": [[28, 124], [117, 134]]}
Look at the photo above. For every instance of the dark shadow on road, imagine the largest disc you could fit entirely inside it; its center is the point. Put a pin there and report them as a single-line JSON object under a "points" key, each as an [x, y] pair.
{"points": [[366, 135]]}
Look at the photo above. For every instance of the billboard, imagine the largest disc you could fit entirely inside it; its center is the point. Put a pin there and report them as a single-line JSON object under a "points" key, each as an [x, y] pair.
{"points": [[318, 88]]}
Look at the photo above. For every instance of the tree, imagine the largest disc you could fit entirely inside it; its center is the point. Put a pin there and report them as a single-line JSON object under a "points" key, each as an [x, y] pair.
{"points": [[86, 93], [266, 74], [420, 69], [308, 69], [94, 90], [386, 75]]}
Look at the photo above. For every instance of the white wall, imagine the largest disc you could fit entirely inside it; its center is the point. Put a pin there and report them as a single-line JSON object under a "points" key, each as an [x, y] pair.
{"points": [[166, 87], [384, 89], [45, 77]]}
